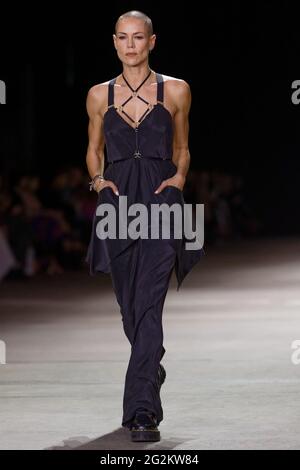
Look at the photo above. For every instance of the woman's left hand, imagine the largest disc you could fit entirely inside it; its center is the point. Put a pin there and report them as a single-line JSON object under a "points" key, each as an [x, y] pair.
{"points": [[176, 180]]}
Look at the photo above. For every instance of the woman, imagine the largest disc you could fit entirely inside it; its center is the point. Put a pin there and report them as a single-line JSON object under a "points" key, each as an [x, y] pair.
{"points": [[141, 118]]}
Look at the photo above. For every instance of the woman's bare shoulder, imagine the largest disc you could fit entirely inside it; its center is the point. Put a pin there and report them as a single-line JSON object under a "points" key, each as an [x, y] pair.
{"points": [[98, 90], [175, 83], [97, 94], [176, 88]]}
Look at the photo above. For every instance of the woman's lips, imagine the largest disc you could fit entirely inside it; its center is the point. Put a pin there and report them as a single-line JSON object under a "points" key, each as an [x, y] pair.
{"points": [[131, 53]]}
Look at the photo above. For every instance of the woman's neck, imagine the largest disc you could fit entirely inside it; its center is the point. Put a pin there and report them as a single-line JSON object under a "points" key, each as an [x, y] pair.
{"points": [[135, 75]]}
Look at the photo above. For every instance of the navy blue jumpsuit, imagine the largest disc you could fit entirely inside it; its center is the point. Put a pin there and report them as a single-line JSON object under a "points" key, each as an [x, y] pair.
{"points": [[138, 160]]}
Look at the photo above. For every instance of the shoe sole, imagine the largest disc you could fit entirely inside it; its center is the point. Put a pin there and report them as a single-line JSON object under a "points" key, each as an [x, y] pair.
{"points": [[154, 434], [147, 435]]}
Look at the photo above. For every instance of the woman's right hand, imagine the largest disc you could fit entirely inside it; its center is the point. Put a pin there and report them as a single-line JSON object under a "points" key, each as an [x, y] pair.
{"points": [[100, 184]]}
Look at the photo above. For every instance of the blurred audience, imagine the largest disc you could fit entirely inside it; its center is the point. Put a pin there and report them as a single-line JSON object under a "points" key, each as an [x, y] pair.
{"points": [[45, 226]]}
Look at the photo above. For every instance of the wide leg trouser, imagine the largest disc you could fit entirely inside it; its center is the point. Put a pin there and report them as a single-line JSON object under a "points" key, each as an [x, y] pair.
{"points": [[140, 278]]}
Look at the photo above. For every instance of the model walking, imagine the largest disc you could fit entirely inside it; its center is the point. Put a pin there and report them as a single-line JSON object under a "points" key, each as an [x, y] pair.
{"points": [[141, 118]]}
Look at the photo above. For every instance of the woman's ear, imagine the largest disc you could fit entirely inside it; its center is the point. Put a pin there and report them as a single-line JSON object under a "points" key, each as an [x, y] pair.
{"points": [[152, 42]]}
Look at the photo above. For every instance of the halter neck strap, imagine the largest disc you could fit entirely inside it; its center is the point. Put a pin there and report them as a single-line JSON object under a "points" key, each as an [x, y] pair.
{"points": [[160, 88], [139, 85]]}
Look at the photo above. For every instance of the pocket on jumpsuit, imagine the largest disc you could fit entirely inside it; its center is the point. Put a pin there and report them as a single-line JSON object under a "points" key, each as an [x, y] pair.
{"points": [[173, 195]]}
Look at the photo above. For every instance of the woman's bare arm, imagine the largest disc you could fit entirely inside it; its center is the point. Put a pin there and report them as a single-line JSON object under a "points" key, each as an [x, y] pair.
{"points": [[180, 93], [95, 150], [96, 98]]}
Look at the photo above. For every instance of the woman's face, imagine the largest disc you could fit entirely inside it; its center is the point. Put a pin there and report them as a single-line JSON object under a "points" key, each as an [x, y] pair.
{"points": [[132, 41]]}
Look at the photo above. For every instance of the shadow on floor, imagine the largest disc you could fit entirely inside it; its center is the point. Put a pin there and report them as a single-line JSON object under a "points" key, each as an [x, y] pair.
{"points": [[120, 439]]}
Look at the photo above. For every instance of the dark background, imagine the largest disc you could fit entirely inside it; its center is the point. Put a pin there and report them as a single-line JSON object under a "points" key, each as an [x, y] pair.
{"points": [[239, 60]]}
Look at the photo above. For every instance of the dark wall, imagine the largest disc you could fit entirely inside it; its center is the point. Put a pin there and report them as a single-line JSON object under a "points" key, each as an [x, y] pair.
{"points": [[240, 64]]}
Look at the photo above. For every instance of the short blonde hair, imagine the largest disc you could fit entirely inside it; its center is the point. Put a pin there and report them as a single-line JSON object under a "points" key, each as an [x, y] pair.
{"points": [[139, 15]]}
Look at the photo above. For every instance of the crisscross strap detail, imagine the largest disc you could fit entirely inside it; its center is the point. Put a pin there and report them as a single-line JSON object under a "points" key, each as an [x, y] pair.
{"points": [[160, 96]]}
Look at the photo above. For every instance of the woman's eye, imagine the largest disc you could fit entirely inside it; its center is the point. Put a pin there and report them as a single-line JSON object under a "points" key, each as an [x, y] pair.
{"points": [[136, 37]]}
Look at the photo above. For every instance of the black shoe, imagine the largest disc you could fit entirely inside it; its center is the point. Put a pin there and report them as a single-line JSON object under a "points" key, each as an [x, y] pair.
{"points": [[161, 376], [144, 427]]}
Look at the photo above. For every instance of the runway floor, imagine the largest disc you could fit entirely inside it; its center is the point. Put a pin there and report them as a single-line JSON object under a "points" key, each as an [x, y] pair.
{"points": [[231, 383]]}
